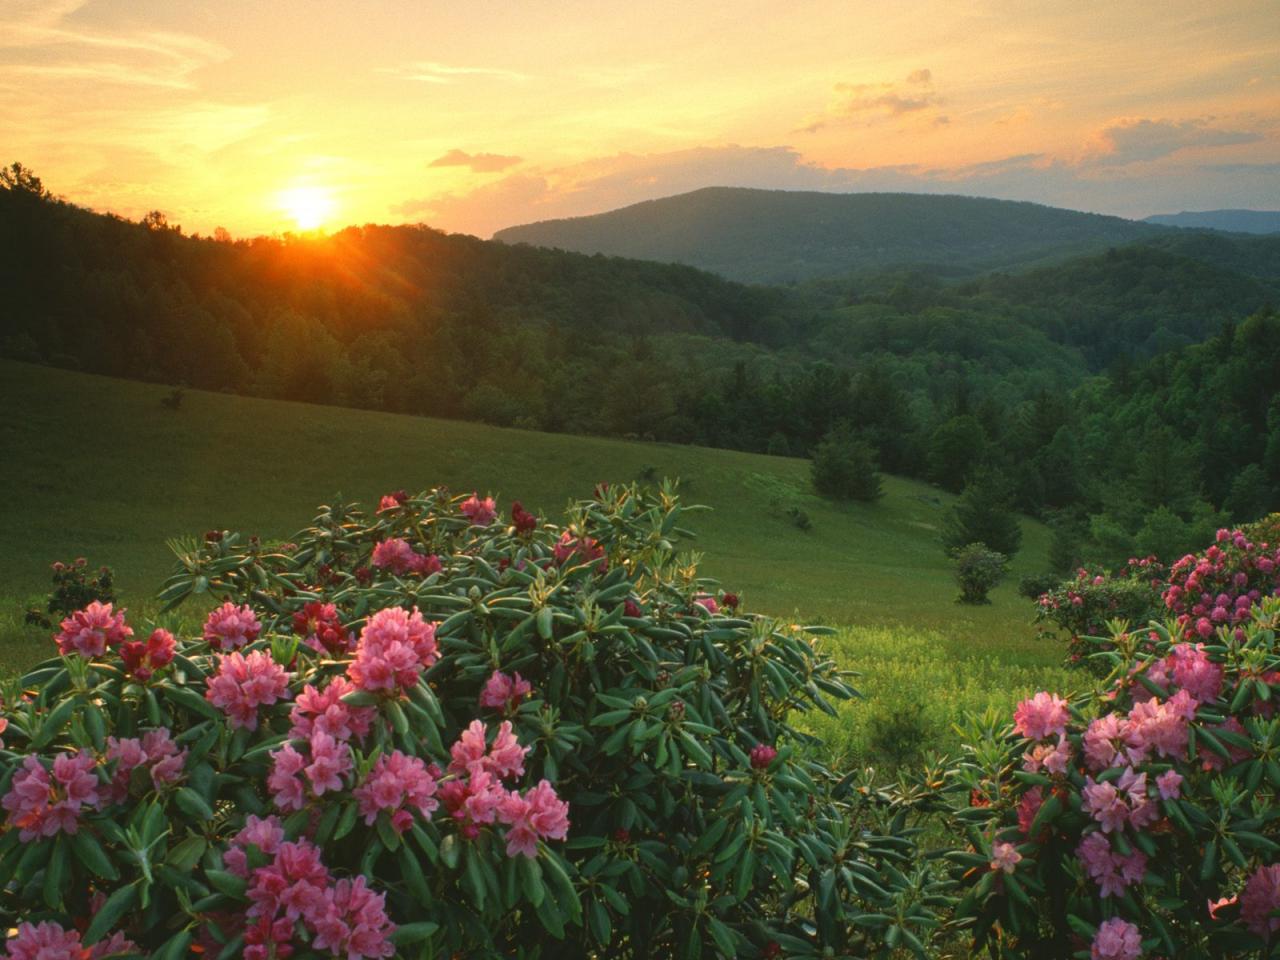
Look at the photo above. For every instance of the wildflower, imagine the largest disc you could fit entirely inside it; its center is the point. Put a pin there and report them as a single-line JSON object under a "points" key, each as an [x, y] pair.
{"points": [[89, 632], [243, 684], [230, 627], [1005, 856], [1043, 715], [481, 513], [1116, 939]]}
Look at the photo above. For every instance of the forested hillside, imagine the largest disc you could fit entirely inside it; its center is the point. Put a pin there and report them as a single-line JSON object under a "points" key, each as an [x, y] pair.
{"points": [[942, 378], [778, 236]]}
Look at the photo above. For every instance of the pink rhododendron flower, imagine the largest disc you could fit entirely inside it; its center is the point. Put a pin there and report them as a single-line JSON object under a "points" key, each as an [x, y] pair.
{"points": [[539, 814], [1042, 716], [318, 624], [394, 554], [288, 791], [579, 550], [351, 921], [395, 646], [762, 754], [230, 627], [324, 711], [143, 659], [522, 519], [45, 941], [481, 513], [1055, 758], [504, 759], [265, 833], [89, 632], [1169, 784], [42, 803], [1028, 807], [501, 691], [397, 781], [1116, 939], [707, 603], [1005, 856], [1261, 897], [243, 684], [390, 501], [1111, 871], [293, 884]]}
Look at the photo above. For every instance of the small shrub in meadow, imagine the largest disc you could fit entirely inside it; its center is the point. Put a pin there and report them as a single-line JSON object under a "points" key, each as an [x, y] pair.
{"points": [[979, 570], [1141, 820], [1080, 609], [446, 729], [74, 588]]}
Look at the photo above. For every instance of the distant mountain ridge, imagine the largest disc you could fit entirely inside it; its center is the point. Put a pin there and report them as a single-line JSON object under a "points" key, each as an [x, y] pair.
{"points": [[1232, 221], [779, 236]]}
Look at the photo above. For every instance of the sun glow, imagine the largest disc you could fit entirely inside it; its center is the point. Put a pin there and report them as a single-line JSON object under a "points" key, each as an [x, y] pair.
{"points": [[310, 207]]}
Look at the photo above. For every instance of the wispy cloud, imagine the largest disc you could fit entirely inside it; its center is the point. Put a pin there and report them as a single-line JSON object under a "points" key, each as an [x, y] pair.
{"points": [[431, 71], [1138, 139], [871, 102], [476, 162]]}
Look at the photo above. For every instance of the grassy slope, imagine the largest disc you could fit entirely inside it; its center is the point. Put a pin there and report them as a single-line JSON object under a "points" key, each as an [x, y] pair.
{"points": [[97, 467]]}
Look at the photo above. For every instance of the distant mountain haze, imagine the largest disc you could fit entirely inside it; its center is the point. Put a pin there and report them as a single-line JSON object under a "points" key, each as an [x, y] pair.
{"points": [[1233, 221], [778, 236]]}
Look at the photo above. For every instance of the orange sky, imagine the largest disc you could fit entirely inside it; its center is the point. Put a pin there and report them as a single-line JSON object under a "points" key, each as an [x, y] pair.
{"points": [[478, 115]]}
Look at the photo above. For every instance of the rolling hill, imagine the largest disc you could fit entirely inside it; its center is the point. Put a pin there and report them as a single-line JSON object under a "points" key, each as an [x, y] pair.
{"points": [[777, 236], [1233, 221], [98, 467]]}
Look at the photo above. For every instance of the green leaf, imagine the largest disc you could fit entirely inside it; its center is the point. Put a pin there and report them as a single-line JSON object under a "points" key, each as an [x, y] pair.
{"points": [[109, 914], [413, 932], [89, 852], [227, 883], [192, 804]]}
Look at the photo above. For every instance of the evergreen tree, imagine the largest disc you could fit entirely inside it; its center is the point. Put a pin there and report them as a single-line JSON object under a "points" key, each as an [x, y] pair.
{"points": [[844, 467], [983, 514]]}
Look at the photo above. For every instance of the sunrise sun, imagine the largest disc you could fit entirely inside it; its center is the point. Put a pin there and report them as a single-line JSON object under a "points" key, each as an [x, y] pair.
{"points": [[309, 206]]}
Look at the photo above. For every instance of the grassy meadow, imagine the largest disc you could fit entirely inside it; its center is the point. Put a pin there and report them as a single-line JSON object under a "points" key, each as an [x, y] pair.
{"points": [[99, 468]]}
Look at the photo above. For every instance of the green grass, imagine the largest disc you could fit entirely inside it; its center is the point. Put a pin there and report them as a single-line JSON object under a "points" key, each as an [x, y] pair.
{"points": [[97, 467], [916, 685]]}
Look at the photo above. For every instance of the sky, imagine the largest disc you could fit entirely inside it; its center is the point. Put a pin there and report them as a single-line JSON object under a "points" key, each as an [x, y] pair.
{"points": [[264, 117]]}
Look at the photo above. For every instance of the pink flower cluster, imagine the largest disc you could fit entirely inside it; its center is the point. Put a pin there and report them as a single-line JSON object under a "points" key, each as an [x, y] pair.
{"points": [[502, 692], [144, 659], [396, 783], [89, 632], [156, 753], [395, 646], [323, 766], [1005, 857], [762, 755], [322, 711], [41, 803], [1261, 900], [49, 941], [1043, 715], [522, 519], [396, 555], [243, 684], [343, 917], [321, 630], [1219, 588], [481, 513], [477, 797], [1111, 871], [1117, 803], [579, 550], [1116, 939], [707, 603], [392, 501], [230, 627]]}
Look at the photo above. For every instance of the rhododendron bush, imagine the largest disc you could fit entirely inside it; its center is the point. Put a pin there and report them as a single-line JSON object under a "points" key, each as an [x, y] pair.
{"points": [[443, 728], [1141, 819]]}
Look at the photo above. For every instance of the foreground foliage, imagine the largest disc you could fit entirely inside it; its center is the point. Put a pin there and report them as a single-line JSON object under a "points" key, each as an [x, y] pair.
{"points": [[286, 773], [1141, 819]]}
